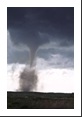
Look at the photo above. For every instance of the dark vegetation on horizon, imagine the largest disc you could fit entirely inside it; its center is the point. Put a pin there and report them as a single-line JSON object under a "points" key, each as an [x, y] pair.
{"points": [[37, 100]]}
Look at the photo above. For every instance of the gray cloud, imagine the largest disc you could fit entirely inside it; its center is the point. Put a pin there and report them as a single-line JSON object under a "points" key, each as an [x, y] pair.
{"points": [[57, 56], [37, 28], [16, 54], [55, 61]]}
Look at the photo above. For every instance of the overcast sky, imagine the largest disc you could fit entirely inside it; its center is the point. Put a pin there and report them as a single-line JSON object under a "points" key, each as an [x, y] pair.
{"points": [[48, 32]]}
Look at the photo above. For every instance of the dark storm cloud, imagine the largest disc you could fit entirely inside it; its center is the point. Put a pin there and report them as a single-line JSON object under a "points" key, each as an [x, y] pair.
{"points": [[37, 26], [26, 23]]}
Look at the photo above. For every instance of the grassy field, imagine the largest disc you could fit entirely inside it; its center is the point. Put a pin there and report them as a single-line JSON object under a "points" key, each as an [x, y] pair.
{"points": [[36, 100]]}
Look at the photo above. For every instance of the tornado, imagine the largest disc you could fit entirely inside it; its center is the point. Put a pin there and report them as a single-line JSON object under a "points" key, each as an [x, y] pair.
{"points": [[28, 77], [25, 26]]}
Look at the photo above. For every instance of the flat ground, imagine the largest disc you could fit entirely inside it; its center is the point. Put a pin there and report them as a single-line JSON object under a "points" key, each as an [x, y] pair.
{"points": [[36, 100]]}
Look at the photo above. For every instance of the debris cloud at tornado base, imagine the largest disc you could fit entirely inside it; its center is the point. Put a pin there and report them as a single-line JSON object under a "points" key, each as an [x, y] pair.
{"points": [[28, 79]]}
